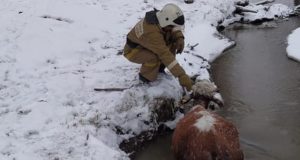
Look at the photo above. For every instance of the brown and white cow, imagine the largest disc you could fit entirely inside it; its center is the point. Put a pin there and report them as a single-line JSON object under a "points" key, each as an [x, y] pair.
{"points": [[204, 135]]}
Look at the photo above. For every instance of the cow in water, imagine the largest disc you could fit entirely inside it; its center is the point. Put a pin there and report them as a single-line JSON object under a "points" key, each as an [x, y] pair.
{"points": [[204, 135]]}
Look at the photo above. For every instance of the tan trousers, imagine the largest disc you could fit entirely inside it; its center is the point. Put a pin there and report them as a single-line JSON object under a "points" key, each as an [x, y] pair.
{"points": [[149, 60]]}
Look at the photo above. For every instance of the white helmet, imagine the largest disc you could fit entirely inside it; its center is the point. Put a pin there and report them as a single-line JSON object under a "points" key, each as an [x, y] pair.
{"points": [[171, 14]]}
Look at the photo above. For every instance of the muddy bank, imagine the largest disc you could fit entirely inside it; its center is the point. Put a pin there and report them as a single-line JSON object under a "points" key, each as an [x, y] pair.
{"points": [[164, 111]]}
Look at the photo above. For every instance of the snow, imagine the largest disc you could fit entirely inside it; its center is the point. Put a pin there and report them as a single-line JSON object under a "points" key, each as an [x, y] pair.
{"points": [[52, 55], [261, 12], [268, 12], [293, 49]]}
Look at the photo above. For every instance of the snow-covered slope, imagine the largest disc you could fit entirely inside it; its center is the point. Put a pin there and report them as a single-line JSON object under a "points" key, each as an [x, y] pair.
{"points": [[52, 55]]}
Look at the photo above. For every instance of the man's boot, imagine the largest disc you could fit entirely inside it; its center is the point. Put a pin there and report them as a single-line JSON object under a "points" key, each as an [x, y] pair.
{"points": [[143, 79], [162, 69]]}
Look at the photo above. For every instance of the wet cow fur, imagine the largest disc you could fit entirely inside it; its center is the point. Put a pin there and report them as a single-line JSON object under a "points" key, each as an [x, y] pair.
{"points": [[204, 135]]}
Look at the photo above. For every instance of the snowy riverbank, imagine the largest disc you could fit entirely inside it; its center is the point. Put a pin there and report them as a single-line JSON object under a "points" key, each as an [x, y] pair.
{"points": [[293, 49], [52, 55]]}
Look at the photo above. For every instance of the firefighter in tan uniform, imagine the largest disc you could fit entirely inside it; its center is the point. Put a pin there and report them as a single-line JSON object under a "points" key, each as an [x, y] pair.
{"points": [[154, 41]]}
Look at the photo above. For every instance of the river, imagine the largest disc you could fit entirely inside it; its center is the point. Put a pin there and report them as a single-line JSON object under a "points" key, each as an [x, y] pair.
{"points": [[261, 88]]}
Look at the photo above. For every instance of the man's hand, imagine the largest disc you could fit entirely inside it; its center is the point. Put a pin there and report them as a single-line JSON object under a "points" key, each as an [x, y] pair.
{"points": [[179, 45], [178, 40], [185, 81]]}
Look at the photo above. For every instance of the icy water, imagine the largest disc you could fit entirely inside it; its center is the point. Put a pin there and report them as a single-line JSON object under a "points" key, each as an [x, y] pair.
{"points": [[261, 88]]}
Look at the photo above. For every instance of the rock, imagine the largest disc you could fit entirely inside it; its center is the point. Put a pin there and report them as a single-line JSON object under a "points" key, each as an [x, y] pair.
{"points": [[189, 1]]}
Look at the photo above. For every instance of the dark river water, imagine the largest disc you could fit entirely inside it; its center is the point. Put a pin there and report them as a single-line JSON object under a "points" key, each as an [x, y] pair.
{"points": [[261, 89]]}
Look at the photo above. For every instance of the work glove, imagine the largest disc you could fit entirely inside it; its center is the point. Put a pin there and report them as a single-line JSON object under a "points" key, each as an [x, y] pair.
{"points": [[179, 45], [185, 82], [178, 40]]}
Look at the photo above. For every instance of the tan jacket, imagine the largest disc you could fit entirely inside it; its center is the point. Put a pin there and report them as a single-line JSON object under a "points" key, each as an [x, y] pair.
{"points": [[149, 35]]}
